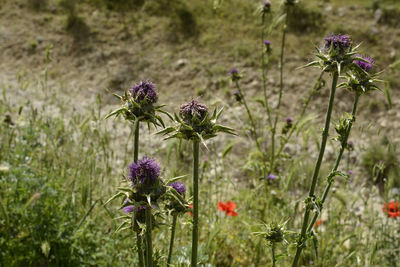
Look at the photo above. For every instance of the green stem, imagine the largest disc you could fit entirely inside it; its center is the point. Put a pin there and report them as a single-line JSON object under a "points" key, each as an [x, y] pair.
{"points": [[273, 255], [195, 232], [267, 108], [171, 242], [338, 159], [135, 159], [301, 240], [140, 249], [149, 244], [136, 143], [273, 130]]}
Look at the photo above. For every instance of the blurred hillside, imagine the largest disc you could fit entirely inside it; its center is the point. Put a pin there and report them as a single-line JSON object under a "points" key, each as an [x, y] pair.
{"points": [[185, 47]]}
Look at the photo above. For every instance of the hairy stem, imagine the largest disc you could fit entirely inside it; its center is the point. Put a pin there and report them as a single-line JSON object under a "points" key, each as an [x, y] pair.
{"points": [[337, 162], [135, 159], [273, 254], [171, 242], [195, 232], [302, 237], [149, 243]]}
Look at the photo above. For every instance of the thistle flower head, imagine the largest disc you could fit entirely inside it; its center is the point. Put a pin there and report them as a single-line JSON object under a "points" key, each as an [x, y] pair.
{"points": [[289, 120], [272, 177], [145, 171], [145, 90], [195, 123], [267, 42], [275, 233], [193, 109], [266, 7], [338, 42], [366, 64], [237, 95], [179, 187], [235, 76]]}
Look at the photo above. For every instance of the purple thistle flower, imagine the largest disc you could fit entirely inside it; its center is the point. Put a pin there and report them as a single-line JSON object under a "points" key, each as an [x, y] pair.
{"points": [[179, 187], [145, 170], [337, 42], [193, 109], [267, 42], [234, 71], [128, 209], [289, 120], [272, 177], [365, 65], [267, 6], [145, 90], [350, 172]]}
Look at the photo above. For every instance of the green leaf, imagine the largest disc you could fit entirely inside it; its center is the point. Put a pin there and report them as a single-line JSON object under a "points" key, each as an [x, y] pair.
{"points": [[117, 195]]}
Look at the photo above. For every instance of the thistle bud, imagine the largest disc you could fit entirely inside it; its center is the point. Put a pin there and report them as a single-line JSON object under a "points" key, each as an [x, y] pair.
{"points": [[235, 76]]}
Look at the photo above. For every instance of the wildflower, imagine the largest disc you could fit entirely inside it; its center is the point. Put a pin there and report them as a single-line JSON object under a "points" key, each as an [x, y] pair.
{"points": [[350, 172], [190, 207], [228, 207], [266, 7], [288, 125], [366, 63], [179, 187], [392, 209], [193, 110], [267, 44], [272, 177], [144, 91], [318, 223], [128, 209], [338, 42], [238, 96], [145, 171], [235, 76]]}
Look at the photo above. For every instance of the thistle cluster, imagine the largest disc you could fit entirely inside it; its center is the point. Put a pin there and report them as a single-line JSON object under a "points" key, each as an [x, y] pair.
{"points": [[139, 104], [336, 54], [195, 123]]}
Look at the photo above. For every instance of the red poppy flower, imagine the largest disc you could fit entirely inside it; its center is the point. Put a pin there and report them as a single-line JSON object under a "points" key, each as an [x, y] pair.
{"points": [[392, 209], [318, 223], [228, 207], [190, 206]]}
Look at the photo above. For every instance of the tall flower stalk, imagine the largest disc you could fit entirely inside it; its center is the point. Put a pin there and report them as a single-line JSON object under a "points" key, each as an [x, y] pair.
{"points": [[194, 123], [139, 105], [335, 56]]}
